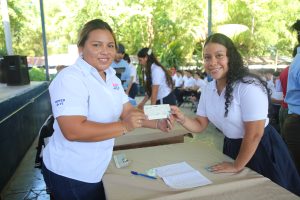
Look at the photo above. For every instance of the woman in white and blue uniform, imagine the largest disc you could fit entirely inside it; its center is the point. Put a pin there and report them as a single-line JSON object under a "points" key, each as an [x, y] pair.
{"points": [[159, 83], [244, 99], [90, 109]]}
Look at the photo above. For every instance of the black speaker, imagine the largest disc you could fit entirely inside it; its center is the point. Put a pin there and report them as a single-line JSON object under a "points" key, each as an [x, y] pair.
{"points": [[16, 70], [3, 72]]}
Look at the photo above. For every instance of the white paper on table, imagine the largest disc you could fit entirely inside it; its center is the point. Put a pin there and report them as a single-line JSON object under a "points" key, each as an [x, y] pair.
{"points": [[181, 176], [160, 111]]}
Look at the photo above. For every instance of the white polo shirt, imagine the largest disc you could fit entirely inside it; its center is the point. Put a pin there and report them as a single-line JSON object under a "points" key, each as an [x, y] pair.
{"points": [[79, 90], [178, 80], [133, 73], [200, 83], [159, 78], [250, 103], [189, 82]]}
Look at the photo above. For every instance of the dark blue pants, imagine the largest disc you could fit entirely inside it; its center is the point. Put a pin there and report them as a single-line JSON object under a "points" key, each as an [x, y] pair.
{"points": [[170, 99], [291, 135], [271, 159], [64, 188], [133, 91]]}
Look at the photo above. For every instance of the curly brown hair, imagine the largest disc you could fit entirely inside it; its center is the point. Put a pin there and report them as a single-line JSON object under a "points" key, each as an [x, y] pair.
{"points": [[237, 71]]}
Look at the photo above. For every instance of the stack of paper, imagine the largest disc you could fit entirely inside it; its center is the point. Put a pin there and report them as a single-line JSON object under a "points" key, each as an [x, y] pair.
{"points": [[181, 176]]}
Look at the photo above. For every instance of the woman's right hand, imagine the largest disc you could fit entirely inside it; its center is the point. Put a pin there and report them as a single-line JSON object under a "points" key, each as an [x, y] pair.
{"points": [[177, 114], [134, 119]]}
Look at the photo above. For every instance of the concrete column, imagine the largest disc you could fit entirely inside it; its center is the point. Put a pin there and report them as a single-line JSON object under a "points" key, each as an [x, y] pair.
{"points": [[6, 25]]}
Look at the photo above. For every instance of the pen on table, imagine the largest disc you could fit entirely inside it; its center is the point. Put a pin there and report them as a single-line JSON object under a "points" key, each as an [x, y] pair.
{"points": [[144, 175]]}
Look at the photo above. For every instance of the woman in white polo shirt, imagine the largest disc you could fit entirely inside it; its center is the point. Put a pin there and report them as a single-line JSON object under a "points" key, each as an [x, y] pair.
{"points": [[90, 109], [159, 83], [236, 102]]}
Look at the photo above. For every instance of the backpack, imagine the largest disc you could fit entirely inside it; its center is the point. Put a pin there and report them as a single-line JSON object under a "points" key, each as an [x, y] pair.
{"points": [[45, 133]]}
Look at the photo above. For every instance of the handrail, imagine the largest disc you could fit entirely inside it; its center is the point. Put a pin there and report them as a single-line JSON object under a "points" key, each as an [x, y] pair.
{"points": [[26, 104]]}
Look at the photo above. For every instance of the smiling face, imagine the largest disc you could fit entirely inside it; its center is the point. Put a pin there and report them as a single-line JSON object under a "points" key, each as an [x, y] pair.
{"points": [[99, 49], [216, 61]]}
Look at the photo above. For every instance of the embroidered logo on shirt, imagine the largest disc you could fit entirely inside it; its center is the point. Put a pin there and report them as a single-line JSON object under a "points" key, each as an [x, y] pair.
{"points": [[59, 102], [115, 86]]}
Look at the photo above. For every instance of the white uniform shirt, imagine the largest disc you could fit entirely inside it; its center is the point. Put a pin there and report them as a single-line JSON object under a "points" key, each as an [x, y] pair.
{"points": [[189, 82], [79, 90], [159, 78], [277, 91], [178, 80], [184, 78], [200, 83], [249, 103], [133, 73]]}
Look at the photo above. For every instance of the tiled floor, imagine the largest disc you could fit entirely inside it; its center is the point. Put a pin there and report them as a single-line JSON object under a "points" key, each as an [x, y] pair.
{"points": [[27, 183]]}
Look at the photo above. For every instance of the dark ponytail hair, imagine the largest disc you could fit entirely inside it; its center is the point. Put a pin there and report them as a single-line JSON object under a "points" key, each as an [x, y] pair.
{"points": [[296, 27], [147, 52]]}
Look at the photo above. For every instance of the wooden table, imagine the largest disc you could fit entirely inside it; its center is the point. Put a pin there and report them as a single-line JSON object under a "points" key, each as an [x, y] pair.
{"points": [[132, 141], [120, 184]]}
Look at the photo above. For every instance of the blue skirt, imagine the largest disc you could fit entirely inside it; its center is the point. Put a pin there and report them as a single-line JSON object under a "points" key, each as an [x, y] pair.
{"points": [[170, 99], [271, 159]]}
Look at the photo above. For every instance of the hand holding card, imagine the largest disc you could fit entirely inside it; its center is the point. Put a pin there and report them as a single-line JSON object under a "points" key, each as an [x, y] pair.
{"points": [[161, 111]]}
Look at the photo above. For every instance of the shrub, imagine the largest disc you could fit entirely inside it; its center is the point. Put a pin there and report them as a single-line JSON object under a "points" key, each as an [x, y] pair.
{"points": [[37, 74]]}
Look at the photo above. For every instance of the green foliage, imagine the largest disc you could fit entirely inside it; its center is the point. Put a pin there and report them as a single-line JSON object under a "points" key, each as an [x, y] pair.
{"points": [[37, 74], [173, 55], [268, 23], [25, 33], [175, 29]]}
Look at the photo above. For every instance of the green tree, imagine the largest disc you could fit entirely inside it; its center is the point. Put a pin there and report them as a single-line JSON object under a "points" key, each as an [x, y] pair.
{"points": [[21, 28], [175, 29], [37, 74], [268, 23]]}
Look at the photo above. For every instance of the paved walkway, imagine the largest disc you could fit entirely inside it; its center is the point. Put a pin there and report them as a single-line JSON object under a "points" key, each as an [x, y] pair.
{"points": [[27, 182]]}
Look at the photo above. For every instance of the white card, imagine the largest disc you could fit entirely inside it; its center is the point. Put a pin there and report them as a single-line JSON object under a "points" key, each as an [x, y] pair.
{"points": [[160, 111]]}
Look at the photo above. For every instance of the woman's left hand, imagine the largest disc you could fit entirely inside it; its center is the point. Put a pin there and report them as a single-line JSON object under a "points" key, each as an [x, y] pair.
{"points": [[224, 167]]}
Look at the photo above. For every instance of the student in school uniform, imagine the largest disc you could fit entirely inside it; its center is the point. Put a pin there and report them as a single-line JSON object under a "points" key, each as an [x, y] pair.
{"points": [[236, 102], [178, 83], [283, 111], [132, 88], [187, 88], [291, 127], [90, 109], [199, 84], [119, 62], [159, 84]]}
